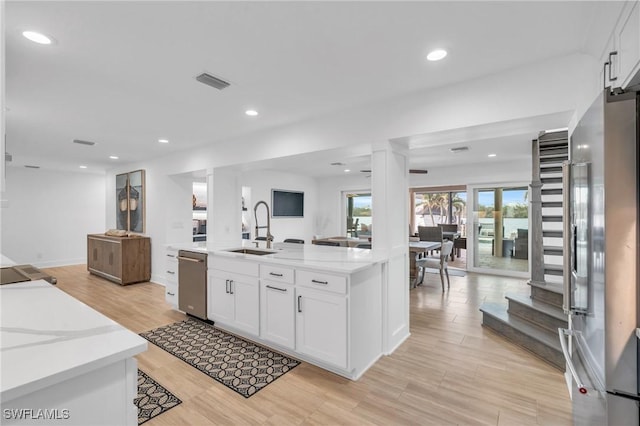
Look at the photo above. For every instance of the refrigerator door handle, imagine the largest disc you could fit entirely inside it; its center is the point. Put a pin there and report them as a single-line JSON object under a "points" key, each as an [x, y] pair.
{"points": [[566, 231], [562, 332], [624, 394]]}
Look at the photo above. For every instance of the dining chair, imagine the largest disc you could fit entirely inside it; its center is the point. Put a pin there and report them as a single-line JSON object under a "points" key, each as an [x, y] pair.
{"points": [[439, 263], [430, 233], [326, 243], [294, 240]]}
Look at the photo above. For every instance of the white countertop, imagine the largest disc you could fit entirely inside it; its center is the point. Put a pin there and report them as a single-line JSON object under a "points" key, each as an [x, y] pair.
{"points": [[47, 336], [338, 259]]}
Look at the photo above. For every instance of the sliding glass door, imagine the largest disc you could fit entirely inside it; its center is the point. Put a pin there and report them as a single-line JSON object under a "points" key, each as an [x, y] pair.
{"points": [[501, 228]]}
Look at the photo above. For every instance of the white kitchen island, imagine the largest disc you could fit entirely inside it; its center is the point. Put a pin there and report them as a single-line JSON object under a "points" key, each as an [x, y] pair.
{"points": [[320, 304], [63, 362]]}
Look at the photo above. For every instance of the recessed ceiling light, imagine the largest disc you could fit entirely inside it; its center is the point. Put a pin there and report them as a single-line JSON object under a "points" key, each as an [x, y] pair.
{"points": [[491, 155], [83, 167], [113, 157], [436, 55], [251, 112], [163, 140], [37, 37], [347, 170]]}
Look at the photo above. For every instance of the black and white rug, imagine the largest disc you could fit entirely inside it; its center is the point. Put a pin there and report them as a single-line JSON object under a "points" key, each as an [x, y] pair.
{"points": [[241, 365], [153, 398]]}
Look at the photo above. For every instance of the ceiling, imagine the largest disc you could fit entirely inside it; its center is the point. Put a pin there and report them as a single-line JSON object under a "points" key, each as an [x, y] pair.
{"points": [[121, 74]]}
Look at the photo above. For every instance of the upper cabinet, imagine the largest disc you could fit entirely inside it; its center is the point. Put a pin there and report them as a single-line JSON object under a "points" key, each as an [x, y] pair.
{"points": [[627, 36], [621, 61]]}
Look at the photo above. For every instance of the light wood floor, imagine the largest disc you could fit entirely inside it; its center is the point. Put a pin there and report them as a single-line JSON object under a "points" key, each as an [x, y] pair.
{"points": [[450, 371]]}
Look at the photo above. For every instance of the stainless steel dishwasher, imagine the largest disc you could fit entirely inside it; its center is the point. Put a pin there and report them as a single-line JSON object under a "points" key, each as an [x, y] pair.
{"points": [[192, 283]]}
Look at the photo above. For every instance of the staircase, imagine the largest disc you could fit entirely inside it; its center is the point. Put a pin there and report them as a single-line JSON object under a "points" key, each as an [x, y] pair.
{"points": [[532, 322]]}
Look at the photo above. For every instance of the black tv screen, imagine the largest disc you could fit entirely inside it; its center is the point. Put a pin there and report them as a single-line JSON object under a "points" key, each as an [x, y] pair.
{"points": [[287, 203]]}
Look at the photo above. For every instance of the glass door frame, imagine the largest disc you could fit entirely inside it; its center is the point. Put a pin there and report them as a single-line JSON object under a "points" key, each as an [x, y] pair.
{"points": [[473, 221]]}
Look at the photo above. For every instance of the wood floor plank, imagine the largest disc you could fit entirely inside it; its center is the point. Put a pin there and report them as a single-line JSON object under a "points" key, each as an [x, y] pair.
{"points": [[451, 370]]}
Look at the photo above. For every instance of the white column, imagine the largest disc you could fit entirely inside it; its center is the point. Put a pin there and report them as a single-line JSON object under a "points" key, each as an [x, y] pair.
{"points": [[390, 237], [224, 208]]}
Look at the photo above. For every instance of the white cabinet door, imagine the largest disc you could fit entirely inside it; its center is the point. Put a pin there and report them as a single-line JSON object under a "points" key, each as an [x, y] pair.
{"points": [[277, 310], [246, 296], [628, 46], [220, 301], [321, 325]]}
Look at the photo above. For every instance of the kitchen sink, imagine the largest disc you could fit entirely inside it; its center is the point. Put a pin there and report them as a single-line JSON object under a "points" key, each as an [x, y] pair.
{"points": [[252, 251]]}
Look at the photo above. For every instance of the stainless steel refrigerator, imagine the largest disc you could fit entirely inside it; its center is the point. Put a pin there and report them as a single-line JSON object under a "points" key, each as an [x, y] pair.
{"points": [[601, 263]]}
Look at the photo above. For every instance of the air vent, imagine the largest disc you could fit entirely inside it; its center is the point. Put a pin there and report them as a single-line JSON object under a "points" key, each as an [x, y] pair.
{"points": [[337, 163], [81, 142], [28, 166], [8, 157], [459, 149], [212, 81]]}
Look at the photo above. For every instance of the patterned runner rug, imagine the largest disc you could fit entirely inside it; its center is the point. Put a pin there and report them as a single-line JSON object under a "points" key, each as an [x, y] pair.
{"points": [[241, 365], [153, 399]]}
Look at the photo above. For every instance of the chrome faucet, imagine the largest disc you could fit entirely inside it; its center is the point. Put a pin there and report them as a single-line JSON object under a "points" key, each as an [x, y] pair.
{"points": [[269, 237]]}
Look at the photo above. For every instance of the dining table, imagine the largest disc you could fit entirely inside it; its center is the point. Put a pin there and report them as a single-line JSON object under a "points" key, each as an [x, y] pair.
{"points": [[416, 248]]}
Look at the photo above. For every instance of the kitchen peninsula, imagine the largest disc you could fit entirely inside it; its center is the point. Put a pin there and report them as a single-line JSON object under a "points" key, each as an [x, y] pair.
{"points": [[320, 304], [63, 362]]}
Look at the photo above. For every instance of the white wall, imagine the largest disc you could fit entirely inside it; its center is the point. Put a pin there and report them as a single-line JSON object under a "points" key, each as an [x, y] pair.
{"points": [[49, 215], [479, 173], [262, 182]]}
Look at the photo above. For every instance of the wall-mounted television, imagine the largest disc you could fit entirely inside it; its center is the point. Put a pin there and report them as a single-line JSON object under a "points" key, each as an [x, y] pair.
{"points": [[287, 203]]}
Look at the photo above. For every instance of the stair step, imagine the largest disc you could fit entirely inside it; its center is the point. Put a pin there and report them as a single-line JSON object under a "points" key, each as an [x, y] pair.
{"points": [[552, 234], [551, 180], [553, 250], [551, 204], [550, 169], [540, 342], [554, 151], [553, 269], [539, 313], [553, 191], [552, 218], [549, 137], [553, 159], [547, 292]]}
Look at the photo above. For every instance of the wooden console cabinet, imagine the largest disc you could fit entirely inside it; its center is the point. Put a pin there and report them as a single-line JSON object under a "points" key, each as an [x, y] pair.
{"points": [[124, 260]]}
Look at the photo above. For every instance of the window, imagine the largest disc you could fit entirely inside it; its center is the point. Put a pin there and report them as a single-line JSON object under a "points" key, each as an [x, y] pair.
{"points": [[432, 208], [358, 214]]}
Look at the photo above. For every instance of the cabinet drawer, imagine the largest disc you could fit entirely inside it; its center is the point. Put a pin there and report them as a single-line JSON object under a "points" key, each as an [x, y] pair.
{"points": [[322, 281], [277, 273], [171, 294], [224, 275], [238, 266]]}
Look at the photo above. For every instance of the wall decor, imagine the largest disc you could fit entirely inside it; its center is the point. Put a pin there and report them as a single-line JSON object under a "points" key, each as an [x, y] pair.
{"points": [[130, 201]]}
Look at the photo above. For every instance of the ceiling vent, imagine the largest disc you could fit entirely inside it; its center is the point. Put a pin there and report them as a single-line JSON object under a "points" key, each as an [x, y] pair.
{"points": [[459, 149], [81, 142], [337, 163], [212, 81], [28, 166], [8, 157]]}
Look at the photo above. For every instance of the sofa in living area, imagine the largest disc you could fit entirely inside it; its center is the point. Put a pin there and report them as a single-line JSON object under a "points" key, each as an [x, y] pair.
{"points": [[521, 244]]}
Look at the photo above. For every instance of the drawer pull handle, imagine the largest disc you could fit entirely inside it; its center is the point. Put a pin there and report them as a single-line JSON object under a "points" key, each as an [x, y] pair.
{"points": [[276, 288], [274, 274], [320, 282], [299, 307], [171, 272], [171, 255], [230, 286], [190, 259], [171, 294], [226, 286]]}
